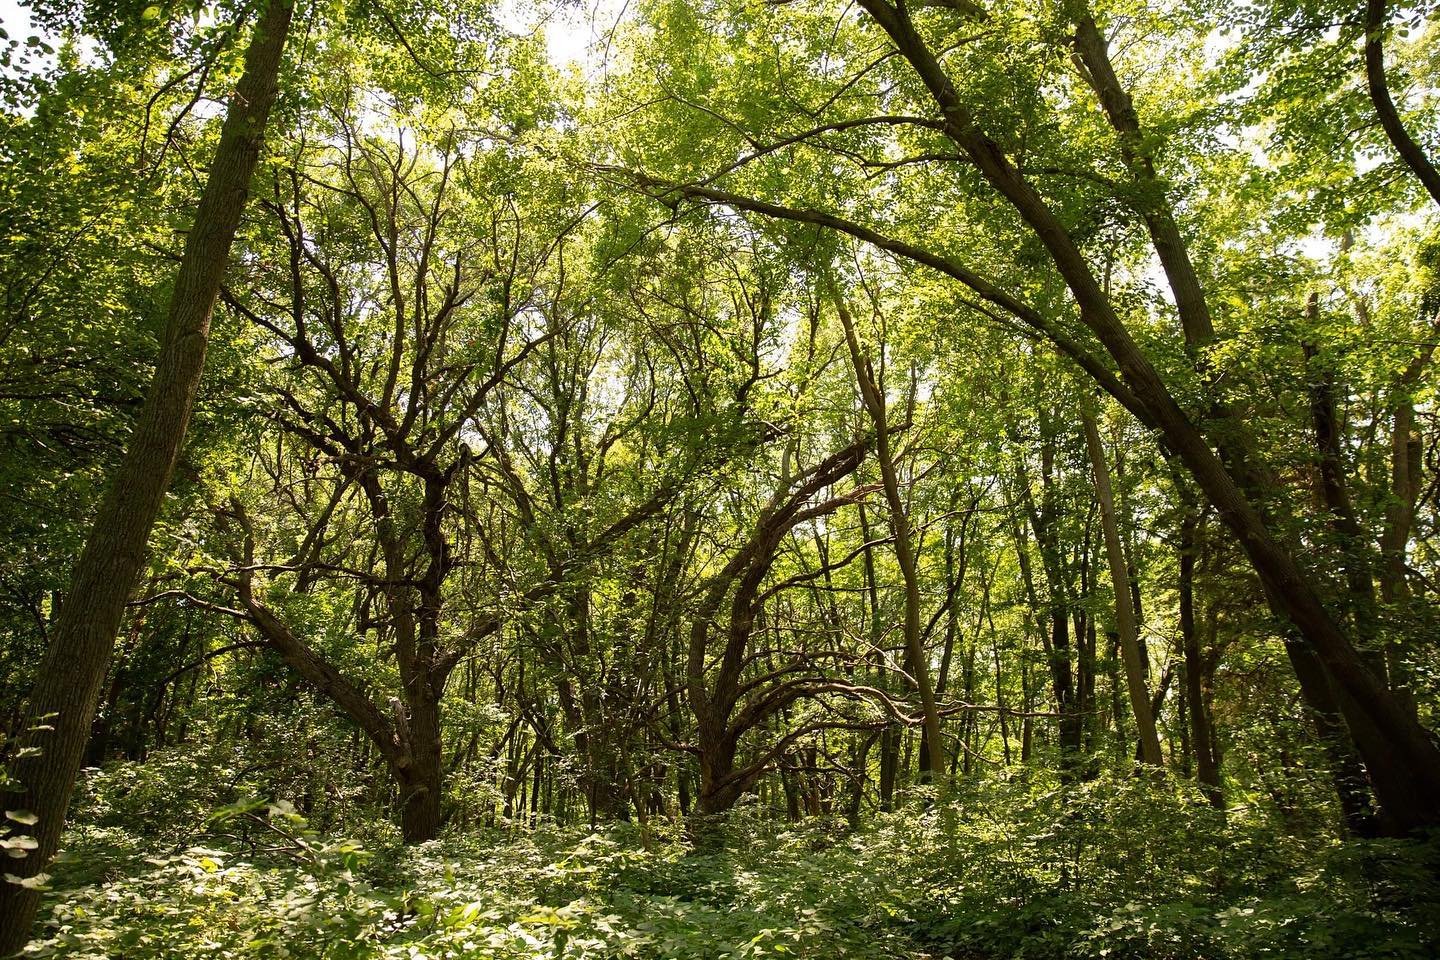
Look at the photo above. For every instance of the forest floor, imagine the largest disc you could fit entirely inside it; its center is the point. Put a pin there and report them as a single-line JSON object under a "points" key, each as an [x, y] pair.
{"points": [[1012, 868]]}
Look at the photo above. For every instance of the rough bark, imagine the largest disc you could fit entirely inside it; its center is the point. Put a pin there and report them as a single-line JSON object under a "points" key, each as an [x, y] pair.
{"points": [[78, 655]]}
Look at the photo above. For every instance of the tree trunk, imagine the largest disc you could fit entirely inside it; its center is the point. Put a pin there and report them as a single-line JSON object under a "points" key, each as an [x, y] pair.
{"points": [[1379, 89], [1329, 446], [420, 778], [1124, 613], [1056, 642], [1206, 769], [76, 660], [1346, 770], [932, 761], [1405, 466], [1401, 755], [719, 786]]}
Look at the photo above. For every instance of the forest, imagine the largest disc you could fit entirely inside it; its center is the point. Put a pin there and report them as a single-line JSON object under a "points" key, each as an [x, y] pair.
{"points": [[720, 479]]}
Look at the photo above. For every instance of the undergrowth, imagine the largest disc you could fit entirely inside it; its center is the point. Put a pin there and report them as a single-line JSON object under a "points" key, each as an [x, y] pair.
{"points": [[1109, 869]]}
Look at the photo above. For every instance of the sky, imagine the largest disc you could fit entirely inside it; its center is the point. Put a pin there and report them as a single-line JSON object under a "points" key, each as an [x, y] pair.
{"points": [[15, 20], [573, 31]]}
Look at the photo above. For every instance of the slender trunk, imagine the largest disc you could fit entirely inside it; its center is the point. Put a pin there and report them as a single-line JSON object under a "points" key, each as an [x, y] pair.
{"points": [[1027, 724], [932, 763], [1207, 770], [76, 660], [1399, 514], [953, 582], [1329, 446], [1056, 641], [889, 765], [1085, 632], [1124, 612], [1001, 712], [890, 738], [861, 767], [969, 734]]}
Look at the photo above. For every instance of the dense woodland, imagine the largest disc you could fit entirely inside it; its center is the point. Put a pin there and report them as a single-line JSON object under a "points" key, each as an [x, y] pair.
{"points": [[901, 478]]}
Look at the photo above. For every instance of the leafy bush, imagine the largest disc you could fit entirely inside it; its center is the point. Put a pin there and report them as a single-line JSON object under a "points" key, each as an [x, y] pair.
{"points": [[1108, 869]]}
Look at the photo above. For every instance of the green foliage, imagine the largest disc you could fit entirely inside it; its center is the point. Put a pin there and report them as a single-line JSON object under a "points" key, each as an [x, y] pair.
{"points": [[489, 412], [1016, 867], [1117, 869]]}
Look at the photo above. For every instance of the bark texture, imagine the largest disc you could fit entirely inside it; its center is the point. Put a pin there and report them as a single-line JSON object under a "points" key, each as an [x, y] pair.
{"points": [[76, 661]]}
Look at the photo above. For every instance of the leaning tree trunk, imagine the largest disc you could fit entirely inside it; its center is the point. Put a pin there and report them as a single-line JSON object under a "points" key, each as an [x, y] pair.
{"points": [[81, 644], [1347, 771], [1401, 755], [1379, 89], [1125, 624]]}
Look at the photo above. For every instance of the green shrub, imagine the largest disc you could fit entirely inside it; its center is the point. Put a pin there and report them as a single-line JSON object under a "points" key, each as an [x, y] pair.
{"points": [[1010, 868]]}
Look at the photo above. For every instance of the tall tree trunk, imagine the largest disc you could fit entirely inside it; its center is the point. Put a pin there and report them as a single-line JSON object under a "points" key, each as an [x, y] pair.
{"points": [[1206, 769], [861, 768], [1405, 468], [890, 737], [932, 762], [1124, 612], [1055, 641], [1329, 446], [76, 660]]}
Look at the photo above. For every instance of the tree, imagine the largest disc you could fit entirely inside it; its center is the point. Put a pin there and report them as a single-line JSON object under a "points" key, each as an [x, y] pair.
{"points": [[1210, 440], [932, 764], [80, 645], [1125, 623]]}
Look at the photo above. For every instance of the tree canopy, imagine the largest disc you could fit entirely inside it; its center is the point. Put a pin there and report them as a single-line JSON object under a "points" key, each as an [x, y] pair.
{"points": [[907, 478]]}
